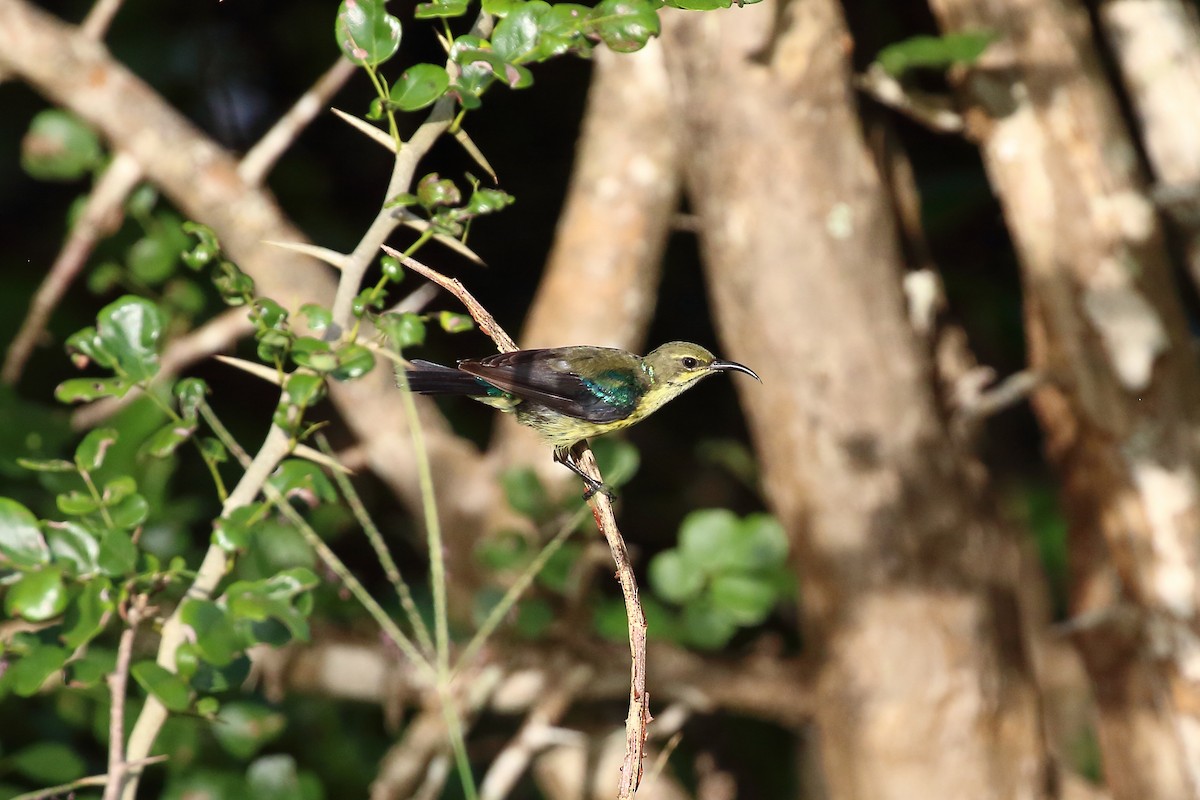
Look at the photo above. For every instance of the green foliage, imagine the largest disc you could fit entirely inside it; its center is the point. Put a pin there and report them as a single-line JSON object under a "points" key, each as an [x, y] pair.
{"points": [[934, 52], [365, 32], [59, 147], [726, 573]]}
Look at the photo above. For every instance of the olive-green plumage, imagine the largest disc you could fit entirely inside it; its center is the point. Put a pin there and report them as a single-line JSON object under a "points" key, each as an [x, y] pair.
{"points": [[568, 394]]}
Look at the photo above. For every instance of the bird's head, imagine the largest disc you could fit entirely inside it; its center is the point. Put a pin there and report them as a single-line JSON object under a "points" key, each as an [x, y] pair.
{"points": [[680, 364]]}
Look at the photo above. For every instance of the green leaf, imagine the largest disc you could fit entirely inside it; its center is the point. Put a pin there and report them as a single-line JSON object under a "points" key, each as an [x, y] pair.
{"points": [[274, 777], [525, 493], [210, 679], [505, 550], [283, 597], [31, 671], [313, 354], [164, 441], [403, 330], [365, 32], [455, 323], [488, 201], [319, 318], [433, 191], [515, 37], [232, 533], [761, 544], [152, 259], [129, 329], [89, 455], [215, 637], [303, 389], [707, 626], [673, 578], [48, 763], [245, 728], [534, 617], [118, 555], [625, 25], [46, 464], [90, 669], [354, 361], [235, 287], [37, 596], [118, 489], [297, 477], [705, 5], [75, 546], [708, 537], [441, 8], [168, 687], [936, 52], [190, 393], [420, 85], [130, 512], [85, 616], [59, 147], [21, 542], [206, 247], [81, 390], [745, 599], [266, 313], [76, 503]]}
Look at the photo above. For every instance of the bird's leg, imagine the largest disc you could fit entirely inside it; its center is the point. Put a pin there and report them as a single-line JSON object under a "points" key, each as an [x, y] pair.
{"points": [[566, 457]]}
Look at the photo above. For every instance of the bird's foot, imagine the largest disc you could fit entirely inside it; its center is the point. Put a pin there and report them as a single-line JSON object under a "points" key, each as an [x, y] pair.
{"points": [[595, 487]]}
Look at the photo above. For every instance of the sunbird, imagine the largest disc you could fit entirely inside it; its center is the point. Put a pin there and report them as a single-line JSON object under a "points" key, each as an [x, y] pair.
{"points": [[568, 394]]}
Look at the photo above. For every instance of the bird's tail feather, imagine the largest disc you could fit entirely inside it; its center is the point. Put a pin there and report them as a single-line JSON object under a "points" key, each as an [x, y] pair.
{"points": [[429, 378]]}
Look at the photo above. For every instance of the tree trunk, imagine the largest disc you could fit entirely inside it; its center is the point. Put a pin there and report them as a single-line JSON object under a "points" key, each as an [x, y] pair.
{"points": [[907, 579], [1121, 397]]}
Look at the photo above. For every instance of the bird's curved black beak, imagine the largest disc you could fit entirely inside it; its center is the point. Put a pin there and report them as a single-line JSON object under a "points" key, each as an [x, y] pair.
{"points": [[733, 366]]}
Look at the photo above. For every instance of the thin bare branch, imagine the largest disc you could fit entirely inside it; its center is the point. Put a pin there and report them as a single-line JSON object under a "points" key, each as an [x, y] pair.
{"points": [[934, 112], [508, 767], [102, 214], [98, 20], [260, 158], [483, 318], [118, 683]]}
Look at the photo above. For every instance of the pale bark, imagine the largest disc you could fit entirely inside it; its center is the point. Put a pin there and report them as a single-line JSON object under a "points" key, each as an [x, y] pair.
{"points": [[1156, 46], [907, 580], [1120, 407]]}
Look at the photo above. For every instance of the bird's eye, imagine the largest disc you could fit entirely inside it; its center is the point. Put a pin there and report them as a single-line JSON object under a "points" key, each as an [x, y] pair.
{"points": [[689, 362]]}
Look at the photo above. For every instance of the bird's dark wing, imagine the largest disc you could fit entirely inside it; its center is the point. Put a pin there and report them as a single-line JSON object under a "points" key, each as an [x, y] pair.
{"points": [[597, 384]]}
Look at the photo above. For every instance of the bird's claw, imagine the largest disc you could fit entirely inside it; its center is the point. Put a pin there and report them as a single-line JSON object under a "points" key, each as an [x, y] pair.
{"points": [[599, 488]]}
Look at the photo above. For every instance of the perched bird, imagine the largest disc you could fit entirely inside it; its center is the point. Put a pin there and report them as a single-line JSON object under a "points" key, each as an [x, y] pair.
{"points": [[568, 394]]}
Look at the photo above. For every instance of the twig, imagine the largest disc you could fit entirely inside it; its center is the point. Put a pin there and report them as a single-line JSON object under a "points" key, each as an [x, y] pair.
{"points": [[91, 780], [118, 683], [932, 111], [508, 767], [101, 215], [486, 322], [262, 156], [639, 709], [95, 25]]}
